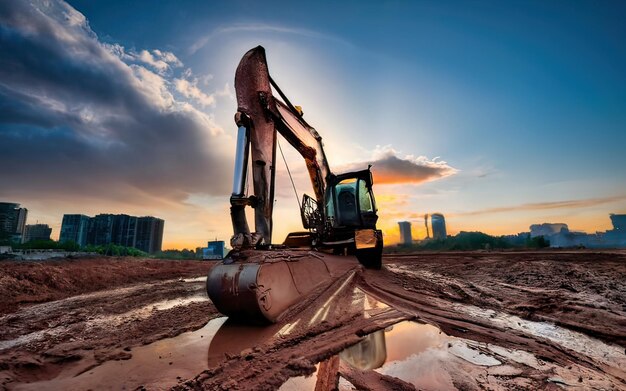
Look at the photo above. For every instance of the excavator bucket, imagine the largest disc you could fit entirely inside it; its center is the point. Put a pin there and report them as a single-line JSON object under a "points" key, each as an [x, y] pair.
{"points": [[263, 285]]}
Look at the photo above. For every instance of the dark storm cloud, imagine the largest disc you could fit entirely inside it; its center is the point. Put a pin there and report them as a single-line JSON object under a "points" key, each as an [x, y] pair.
{"points": [[75, 118]]}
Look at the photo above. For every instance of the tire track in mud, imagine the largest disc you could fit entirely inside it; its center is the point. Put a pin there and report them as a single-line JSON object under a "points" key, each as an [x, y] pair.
{"points": [[40, 341], [487, 326], [466, 295]]}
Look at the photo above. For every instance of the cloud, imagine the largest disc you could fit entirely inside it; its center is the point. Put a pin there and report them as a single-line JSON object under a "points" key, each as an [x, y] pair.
{"points": [[261, 28], [189, 89], [159, 61], [89, 119], [389, 168], [569, 204], [168, 57]]}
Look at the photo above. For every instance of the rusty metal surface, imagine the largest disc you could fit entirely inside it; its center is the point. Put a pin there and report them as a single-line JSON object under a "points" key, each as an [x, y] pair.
{"points": [[265, 284], [308, 143], [267, 115], [252, 85]]}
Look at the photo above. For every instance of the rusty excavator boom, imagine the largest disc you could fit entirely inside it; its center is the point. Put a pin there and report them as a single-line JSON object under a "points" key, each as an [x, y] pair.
{"points": [[260, 281]]}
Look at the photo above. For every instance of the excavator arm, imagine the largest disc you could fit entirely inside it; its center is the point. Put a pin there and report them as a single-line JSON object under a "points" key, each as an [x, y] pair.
{"points": [[259, 116]]}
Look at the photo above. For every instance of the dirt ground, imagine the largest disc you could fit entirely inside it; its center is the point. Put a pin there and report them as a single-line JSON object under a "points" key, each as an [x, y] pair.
{"points": [[29, 282], [550, 320]]}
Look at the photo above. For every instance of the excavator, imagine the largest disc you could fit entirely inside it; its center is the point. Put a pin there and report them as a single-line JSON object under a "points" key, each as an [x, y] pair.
{"points": [[259, 281]]}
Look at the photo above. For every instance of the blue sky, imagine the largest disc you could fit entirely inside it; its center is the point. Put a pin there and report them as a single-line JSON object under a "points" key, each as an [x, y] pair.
{"points": [[523, 102]]}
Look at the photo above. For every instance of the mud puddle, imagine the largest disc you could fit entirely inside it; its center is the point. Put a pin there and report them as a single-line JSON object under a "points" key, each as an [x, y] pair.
{"points": [[419, 354], [157, 366], [428, 359], [416, 353], [164, 363]]}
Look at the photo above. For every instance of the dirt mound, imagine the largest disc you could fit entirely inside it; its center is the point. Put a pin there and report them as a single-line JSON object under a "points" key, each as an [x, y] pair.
{"points": [[27, 282]]}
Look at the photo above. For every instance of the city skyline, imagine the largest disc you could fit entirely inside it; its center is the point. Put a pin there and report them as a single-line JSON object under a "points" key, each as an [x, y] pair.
{"points": [[422, 232], [498, 116]]}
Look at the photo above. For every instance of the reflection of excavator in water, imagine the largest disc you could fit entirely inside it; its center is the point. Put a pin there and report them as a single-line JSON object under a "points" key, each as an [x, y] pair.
{"points": [[261, 281]]}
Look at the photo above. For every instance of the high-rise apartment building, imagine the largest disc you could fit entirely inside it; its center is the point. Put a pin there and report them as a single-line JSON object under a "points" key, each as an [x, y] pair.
{"points": [[36, 232], [100, 230], [74, 228], [124, 230], [149, 234], [143, 233], [12, 221], [405, 233], [438, 222]]}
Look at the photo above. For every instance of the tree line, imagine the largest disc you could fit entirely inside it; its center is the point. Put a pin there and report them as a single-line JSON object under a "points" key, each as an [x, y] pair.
{"points": [[107, 249], [467, 241]]}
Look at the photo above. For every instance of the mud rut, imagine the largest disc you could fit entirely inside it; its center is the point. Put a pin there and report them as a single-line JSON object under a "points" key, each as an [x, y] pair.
{"points": [[552, 321]]}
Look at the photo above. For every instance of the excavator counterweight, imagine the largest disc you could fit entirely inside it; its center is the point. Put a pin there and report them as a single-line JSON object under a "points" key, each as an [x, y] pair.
{"points": [[259, 281]]}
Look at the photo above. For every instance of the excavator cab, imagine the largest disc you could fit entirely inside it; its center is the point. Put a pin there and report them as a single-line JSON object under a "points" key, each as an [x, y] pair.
{"points": [[347, 222], [350, 201], [351, 217]]}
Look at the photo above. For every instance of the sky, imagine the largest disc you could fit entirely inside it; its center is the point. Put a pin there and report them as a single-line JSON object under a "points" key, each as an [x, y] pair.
{"points": [[496, 114]]}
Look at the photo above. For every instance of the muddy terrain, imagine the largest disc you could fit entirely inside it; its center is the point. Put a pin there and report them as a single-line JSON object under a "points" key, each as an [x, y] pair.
{"points": [[428, 321]]}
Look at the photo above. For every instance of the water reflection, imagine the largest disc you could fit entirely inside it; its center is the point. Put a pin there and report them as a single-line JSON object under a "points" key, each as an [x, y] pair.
{"points": [[158, 365], [370, 353], [233, 338]]}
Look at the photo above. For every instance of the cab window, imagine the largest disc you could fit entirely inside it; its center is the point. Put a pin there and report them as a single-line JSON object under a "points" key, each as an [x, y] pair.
{"points": [[347, 210], [365, 198]]}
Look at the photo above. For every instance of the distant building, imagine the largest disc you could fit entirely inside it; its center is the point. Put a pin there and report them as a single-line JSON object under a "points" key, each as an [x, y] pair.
{"points": [[74, 228], [124, 230], [100, 230], [36, 232], [149, 237], [559, 235], [143, 233], [12, 221], [405, 233], [617, 236], [22, 214], [547, 229], [618, 221], [215, 250], [438, 222]]}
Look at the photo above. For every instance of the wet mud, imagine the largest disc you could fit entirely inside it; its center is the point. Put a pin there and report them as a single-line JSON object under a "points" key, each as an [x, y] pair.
{"points": [[497, 321]]}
